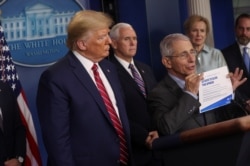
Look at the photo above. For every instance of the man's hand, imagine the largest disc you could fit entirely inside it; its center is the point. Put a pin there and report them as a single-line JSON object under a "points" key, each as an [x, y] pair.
{"points": [[247, 106], [12, 162], [236, 78], [151, 137], [192, 83]]}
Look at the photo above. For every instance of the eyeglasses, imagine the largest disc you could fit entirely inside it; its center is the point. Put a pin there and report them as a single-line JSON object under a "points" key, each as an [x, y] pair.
{"points": [[185, 54]]}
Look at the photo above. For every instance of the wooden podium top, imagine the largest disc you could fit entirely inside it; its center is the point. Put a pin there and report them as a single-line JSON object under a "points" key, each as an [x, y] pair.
{"points": [[228, 127], [212, 131]]}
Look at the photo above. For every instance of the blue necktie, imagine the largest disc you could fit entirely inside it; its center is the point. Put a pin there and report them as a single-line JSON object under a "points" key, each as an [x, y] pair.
{"points": [[246, 58], [138, 79]]}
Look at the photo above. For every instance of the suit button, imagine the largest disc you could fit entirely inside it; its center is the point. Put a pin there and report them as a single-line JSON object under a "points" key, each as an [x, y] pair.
{"points": [[192, 110]]}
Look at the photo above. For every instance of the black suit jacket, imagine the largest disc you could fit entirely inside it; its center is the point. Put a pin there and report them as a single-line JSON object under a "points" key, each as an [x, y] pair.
{"points": [[234, 59], [139, 117], [12, 139], [175, 111]]}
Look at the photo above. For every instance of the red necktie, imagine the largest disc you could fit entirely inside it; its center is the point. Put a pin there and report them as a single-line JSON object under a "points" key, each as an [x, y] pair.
{"points": [[115, 120]]}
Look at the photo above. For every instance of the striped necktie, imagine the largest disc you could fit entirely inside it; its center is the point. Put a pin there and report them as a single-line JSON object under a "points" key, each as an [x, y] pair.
{"points": [[246, 58], [137, 79], [1, 121], [113, 115]]}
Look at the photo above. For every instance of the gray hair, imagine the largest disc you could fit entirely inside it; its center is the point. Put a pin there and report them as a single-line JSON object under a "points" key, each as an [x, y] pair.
{"points": [[166, 45], [114, 32]]}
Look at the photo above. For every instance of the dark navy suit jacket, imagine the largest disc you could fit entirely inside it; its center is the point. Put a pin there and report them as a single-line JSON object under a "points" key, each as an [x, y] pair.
{"points": [[12, 139], [76, 126], [137, 110]]}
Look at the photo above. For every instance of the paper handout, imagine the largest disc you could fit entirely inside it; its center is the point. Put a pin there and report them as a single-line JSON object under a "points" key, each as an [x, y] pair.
{"points": [[215, 89]]}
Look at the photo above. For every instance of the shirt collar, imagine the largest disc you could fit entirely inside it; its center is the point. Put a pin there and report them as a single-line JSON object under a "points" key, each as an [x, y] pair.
{"points": [[87, 64], [242, 46], [124, 63], [180, 82], [205, 48]]}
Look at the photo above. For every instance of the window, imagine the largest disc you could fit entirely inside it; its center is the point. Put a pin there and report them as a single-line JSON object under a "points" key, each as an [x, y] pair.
{"points": [[241, 6]]}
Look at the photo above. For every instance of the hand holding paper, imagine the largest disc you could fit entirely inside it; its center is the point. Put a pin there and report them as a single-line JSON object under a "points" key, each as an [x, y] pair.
{"points": [[192, 83], [236, 78]]}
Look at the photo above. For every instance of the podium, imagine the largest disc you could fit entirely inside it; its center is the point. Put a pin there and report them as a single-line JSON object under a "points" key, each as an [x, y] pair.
{"points": [[213, 145]]}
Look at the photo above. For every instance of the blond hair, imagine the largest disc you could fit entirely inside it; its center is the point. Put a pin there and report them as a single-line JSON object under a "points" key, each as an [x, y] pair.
{"points": [[84, 22]]}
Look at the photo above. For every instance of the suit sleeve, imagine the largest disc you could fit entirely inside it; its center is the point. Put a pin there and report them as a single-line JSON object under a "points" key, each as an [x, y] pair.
{"points": [[170, 111], [138, 133], [53, 111]]}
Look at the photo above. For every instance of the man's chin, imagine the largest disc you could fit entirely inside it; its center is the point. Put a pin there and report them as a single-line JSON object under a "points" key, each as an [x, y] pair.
{"points": [[243, 41]]}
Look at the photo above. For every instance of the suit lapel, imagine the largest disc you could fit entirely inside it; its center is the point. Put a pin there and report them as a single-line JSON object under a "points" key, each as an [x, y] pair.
{"points": [[83, 76], [112, 77], [124, 73], [143, 74], [173, 86]]}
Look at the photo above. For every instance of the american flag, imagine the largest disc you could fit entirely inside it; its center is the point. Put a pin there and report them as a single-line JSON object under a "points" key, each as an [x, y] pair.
{"points": [[9, 74]]}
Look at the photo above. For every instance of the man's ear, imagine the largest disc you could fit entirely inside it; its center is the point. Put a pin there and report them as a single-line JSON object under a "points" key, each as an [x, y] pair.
{"points": [[113, 44], [166, 62], [81, 44]]}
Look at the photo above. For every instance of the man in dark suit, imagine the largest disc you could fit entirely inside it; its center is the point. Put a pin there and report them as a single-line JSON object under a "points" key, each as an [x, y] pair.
{"points": [[124, 44], [80, 100], [234, 56], [174, 101], [244, 153], [12, 131]]}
